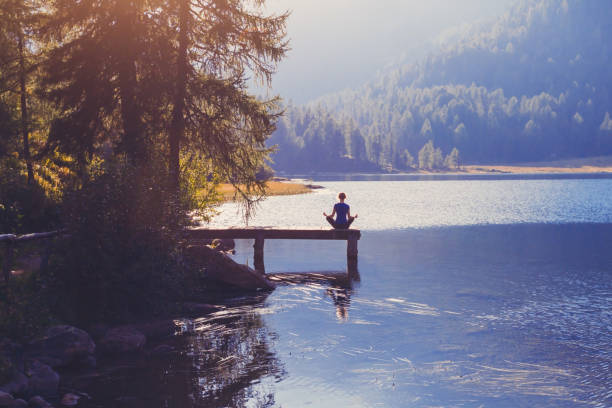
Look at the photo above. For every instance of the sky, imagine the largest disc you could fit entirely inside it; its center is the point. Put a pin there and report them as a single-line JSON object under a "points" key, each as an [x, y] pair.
{"points": [[339, 44]]}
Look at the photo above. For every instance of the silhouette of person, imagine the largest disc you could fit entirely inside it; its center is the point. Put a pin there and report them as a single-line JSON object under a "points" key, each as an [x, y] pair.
{"points": [[342, 300], [342, 211]]}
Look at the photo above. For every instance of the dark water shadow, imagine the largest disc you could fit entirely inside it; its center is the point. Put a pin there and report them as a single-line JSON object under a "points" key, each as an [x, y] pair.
{"points": [[225, 359], [341, 285]]}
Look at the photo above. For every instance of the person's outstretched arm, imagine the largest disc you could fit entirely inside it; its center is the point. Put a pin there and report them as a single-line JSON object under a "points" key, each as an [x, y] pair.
{"points": [[332, 214]]}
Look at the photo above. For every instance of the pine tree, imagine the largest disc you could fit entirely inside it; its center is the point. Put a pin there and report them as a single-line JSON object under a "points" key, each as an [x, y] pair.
{"points": [[438, 159], [452, 160], [213, 114], [17, 20], [407, 158], [106, 76], [426, 156]]}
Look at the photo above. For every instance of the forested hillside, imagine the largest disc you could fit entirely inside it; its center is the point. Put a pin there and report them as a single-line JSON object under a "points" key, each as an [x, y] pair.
{"points": [[534, 85]]}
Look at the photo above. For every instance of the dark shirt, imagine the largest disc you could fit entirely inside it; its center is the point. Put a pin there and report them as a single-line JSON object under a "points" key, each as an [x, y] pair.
{"points": [[342, 210]]}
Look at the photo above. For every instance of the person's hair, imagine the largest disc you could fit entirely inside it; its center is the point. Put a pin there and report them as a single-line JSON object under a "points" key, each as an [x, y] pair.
{"points": [[342, 196]]}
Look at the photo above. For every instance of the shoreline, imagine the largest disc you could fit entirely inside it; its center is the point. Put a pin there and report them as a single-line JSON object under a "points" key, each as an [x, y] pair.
{"points": [[519, 169], [588, 165], [294, 184], [277, 186], [592, 165]]}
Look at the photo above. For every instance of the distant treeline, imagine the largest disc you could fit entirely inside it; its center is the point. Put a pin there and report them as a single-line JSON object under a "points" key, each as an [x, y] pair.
{"points": [[535, 85]]}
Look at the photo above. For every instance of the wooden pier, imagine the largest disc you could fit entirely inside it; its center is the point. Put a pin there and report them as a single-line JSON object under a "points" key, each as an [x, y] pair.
{"points": [[351, 236]]}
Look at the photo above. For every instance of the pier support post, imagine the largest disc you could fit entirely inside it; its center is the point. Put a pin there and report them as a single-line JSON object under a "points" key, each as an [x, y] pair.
{"points": [[352, 270], [351, 248], [258, 258]]}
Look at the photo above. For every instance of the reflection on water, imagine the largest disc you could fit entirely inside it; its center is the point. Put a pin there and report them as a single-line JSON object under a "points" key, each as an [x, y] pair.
{"points": [[231, 359], [225, 359], [490, 316], [340, 285], [499, 315], [342, 300]]}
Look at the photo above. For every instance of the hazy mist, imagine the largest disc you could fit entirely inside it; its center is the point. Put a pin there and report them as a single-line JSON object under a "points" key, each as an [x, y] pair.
{"points": [[533, 85], [343, 43]]}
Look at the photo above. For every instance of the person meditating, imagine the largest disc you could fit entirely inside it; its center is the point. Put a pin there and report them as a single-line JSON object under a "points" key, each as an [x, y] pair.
{"points": [[342, 211]]}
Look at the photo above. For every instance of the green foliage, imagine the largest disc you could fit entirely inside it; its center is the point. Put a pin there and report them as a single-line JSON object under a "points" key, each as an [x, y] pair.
{"points": [[115, 97], [452, 160], [24, 307], [426, 156], [408, 159], [198, 186], [430, 158], [120, 257], [8, 124], [24, 207], [309, 139]]}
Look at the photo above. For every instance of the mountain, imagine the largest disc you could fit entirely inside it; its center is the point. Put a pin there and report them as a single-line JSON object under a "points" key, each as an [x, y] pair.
{"points": [[533, 85]]}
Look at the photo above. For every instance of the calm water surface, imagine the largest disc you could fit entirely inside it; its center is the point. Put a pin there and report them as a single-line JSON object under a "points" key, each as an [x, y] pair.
{"points": [[400, 204], [469, 293]]}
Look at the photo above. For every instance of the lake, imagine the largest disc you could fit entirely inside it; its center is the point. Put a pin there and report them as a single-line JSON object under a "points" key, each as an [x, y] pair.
{"points": [[477, 292], [403, 202]]}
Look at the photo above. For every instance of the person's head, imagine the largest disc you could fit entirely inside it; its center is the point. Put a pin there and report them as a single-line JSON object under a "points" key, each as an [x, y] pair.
{"points": [[342, 196]]}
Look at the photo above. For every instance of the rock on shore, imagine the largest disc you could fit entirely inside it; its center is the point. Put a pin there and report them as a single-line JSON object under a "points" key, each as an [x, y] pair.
{"points": [[220, 267], [42, 379], [62, 346], [122, 339]]}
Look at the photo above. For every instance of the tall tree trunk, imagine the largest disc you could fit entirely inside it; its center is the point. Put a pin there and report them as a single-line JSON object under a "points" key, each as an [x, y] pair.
{"points": [[133, 140], [133, 132], [24, 109], [177, 128]]}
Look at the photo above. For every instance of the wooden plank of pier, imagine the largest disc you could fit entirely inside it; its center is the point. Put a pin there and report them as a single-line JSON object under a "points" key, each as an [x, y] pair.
{"points": [[275, 233], [351, 236]]}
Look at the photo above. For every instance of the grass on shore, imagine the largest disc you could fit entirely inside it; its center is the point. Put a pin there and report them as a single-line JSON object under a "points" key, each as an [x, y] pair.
{"points": [[273, 188], [600, 164]]}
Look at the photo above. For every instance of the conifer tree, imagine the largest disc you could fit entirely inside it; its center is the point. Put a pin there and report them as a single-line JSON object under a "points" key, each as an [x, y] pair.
{"points": [[407, 158], [426, 156], [17, 19], [452, 160], [438, 159], [219, 41], [105, 52]]}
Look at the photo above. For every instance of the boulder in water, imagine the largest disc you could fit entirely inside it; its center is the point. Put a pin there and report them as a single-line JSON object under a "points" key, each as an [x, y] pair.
{"points": [[42, 380], [6, 399], [19, 403], [62, 346], [220, 267], [17, 384], [122, 339], [39, 402]]}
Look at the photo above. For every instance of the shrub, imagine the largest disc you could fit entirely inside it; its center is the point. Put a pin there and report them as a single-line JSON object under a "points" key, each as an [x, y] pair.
{"points": [[23, 208], [121, 257], [24, 310]]}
